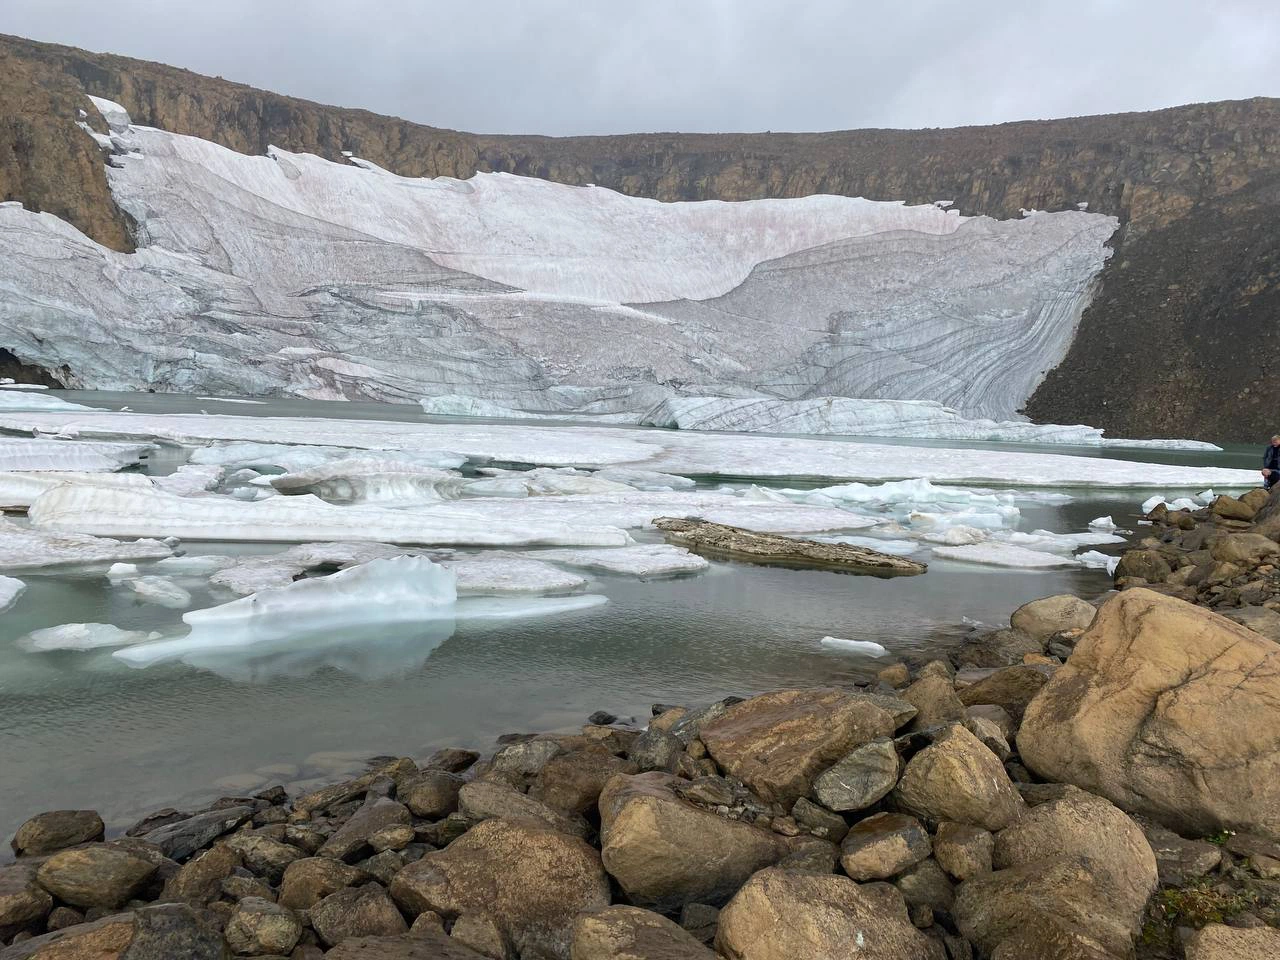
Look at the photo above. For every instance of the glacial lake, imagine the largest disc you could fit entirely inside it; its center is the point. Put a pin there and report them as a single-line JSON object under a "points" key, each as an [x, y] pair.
{"points": [[83, 730]]}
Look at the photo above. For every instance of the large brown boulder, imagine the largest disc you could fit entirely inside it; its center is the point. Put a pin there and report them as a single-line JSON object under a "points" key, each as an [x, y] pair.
{"points": [[421, 945], [488, 800], [1166, 709], [531, 879], [1218, 942], [162, 932], [94, 876], [666, 852], [935, 700], [1091, 829], [778, 742], [261, 927], [56, 830], [629, 933], [22, 901], [313, 878], [1041, 619], [356, 912], [572, 782], [781, 915], [1243, 548], [1144, 564], [957, 778], [351, 841], [1010, 688], [199, 880]]}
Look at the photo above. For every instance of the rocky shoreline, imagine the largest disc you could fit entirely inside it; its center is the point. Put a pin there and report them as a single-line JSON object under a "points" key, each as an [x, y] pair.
{"points": [[1098, 780]]}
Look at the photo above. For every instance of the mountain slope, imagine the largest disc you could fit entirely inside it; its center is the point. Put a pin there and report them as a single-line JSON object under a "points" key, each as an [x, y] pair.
{"points": [[1179, 329]]}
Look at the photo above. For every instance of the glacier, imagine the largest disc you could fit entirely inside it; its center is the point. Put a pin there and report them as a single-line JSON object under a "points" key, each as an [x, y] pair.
{"points": [[288, 274]]}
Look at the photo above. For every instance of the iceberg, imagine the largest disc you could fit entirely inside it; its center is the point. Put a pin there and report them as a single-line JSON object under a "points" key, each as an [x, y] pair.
{"points": [[1103, 523], [135, 513], [543, 481], [1096, 560], [196, 566], [644, 560], [367, 285], [24, 548], [189, 480], [82, 636], [10, 589], [384, 592], [868, 647]]}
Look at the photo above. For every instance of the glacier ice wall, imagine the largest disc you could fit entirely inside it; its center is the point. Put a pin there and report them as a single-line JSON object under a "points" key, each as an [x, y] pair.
{"points": [[290, 274]]}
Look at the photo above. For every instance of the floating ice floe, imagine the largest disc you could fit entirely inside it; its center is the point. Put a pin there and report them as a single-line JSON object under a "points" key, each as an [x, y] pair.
{"points": [[16, 398], [299, 457], [924, 419], [679, 453], [82, 636], [10, 589], [502, 574], [644, 560], [193, 566], [246, 575], [868, 647], [232, 400], [190, 479], [1102, 523], [1096, 560], [45, 453], [543, 481], [366, 479], [400, 590], [160, 590], [292, 519], [120, 572], [25, 548], [19, 490], [649, 480], [1180, 503], [994, 553]]}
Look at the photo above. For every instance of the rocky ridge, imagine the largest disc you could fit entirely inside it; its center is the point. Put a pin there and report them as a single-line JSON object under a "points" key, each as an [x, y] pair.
{"points": [[1197, 188]]}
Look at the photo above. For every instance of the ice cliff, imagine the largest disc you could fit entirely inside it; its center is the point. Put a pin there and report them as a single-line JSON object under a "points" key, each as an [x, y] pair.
{"points": [[290, 274]]}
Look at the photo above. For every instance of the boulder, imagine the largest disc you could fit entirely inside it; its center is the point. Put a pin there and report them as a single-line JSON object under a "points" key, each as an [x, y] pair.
{"points": [[1011, 688], [451, 759], [1081, 826], [995, 714], [1245, 549], [364, 911], [56, 830], [1050, 939], [94, 876], [1229, 508], [336, 794], [1144, 564], [926, 885], [351, 840], [1255, 499], [997, 648], [883, 846], [629, 933], [989, 735], [994, 907], [1169, 710], [859, 779], [161, 932], [22, 902], [524, 759], [1041, 619], [179, 839], [571, 782], [430, 793], [483, 934], [199, 880], [486, 800], [957, 778], [665, 852], [1178, 859], [819, 821], [312, 879], [781, 915], [655, 749], [532, 879], [263, 856], [1219, 942], [778, 742], [935, 701], [963, 850], [258, 927]]}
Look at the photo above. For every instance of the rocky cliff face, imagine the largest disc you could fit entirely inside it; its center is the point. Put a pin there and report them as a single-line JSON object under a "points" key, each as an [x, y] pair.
{"points": [[1175, 342]]}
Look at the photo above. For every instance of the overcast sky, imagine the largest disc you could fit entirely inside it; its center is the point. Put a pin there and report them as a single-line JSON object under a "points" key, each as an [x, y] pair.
{"points": [[598, 66]]}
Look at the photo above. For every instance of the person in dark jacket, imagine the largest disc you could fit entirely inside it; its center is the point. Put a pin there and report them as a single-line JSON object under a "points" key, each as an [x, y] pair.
{"points": [[1271, 463]]}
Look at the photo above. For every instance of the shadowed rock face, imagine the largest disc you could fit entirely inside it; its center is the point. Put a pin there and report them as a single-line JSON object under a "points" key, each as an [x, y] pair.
{"points": [[1172, 342]]}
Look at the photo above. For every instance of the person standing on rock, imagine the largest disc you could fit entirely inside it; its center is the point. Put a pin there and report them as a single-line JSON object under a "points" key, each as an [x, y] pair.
{"points": [[1271, 463]]}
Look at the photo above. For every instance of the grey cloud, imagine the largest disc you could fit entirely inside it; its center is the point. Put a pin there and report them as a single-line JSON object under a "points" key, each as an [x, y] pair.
{"points": [[584, 67]]}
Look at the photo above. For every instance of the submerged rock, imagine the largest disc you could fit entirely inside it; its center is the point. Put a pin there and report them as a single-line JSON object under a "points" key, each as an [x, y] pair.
{"points": [[718, 540]]}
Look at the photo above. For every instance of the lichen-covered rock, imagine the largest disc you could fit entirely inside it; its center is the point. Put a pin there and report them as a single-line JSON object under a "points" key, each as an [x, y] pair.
{"points": [[532, 879], [883, 846], [665, 852], [781, 915], [629, 933], [1169, 710], [483, 934], [259, 927], [957, 778], [56, 830], [94, 876], [777, 743], [365, 911]]}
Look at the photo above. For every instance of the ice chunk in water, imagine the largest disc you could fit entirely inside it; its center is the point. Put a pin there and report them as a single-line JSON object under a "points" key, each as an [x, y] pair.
{"points": [[190, 479], [868, 647], [45, 453], [19, 490], [15, 400], [642, 560], [198, 566], [505, 573], [160, 590], [995, 554], [119, 572], [1103, 523], [1096, 560], [400, 590], [10, 589], [82, 636], [22, 548]]}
